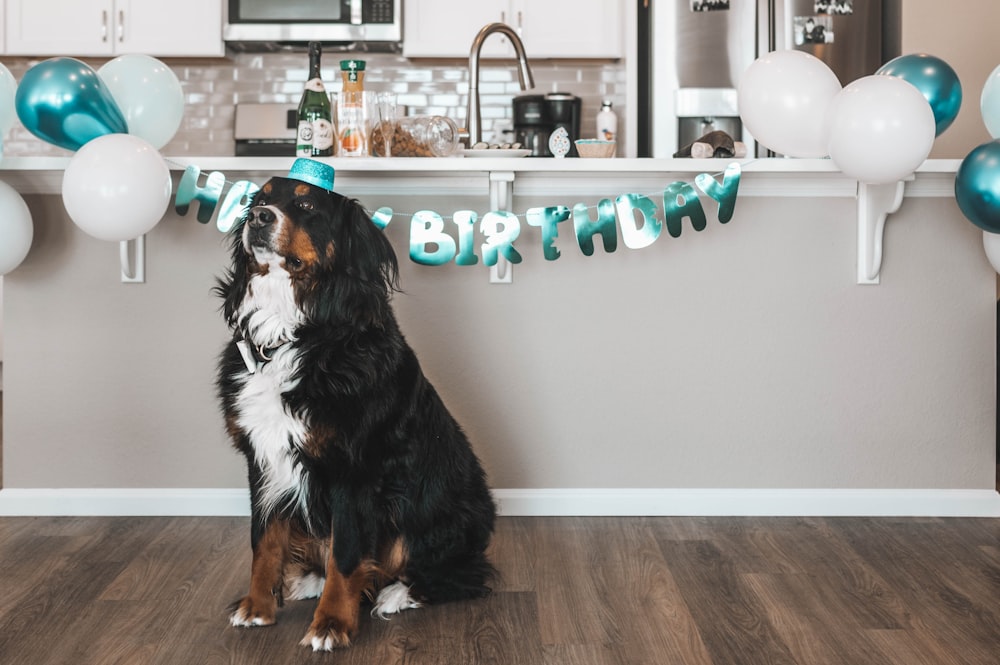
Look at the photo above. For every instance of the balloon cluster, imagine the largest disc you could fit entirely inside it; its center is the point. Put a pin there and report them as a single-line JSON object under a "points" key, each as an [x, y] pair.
{"points": [[117, 185], [977, 183], [877, 129]]}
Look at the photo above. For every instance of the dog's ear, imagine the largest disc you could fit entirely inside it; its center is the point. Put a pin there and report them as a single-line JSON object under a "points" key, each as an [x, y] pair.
{"points": [[232, 287], [365, 271]]}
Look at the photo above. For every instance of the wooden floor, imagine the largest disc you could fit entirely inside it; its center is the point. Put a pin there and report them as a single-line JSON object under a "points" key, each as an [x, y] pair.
{"points": [[741, 591]]}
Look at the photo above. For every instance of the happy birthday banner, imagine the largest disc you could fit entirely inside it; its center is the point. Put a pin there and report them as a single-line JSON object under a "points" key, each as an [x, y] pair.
{"points": [[432, 245]]}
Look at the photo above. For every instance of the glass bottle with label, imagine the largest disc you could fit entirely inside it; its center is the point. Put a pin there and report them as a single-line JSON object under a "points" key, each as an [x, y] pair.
{"points": [[351, 110], [315, 133]]}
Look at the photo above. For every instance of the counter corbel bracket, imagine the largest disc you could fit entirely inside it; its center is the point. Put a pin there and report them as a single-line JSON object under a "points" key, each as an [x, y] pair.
{"points": [[501, 195], [875, 204], [132, 255]]}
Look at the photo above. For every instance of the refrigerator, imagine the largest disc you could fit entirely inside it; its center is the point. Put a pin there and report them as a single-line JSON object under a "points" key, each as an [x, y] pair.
{"points": [[691, 55]]}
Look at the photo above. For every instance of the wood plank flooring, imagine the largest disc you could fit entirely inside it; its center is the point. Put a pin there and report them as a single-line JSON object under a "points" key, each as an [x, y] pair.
{"points": [[588, 591]]}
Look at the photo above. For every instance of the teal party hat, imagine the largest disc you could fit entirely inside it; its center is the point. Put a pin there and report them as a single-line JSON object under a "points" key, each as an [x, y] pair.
{"points": [[312, 172]]}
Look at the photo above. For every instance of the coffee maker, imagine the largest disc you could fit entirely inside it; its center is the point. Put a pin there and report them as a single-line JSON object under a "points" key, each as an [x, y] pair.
{"points": [[532, 126], [537, 116]]}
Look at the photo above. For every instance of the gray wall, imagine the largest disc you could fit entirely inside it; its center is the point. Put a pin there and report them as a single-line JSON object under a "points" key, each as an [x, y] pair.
{"points": [[964, 35], [744, 356]]}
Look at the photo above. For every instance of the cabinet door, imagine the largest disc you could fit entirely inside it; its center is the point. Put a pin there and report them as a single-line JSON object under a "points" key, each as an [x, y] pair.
{"points": [[446, 29], [59, 27], [571, 28], [107, 27], [175, 28]]}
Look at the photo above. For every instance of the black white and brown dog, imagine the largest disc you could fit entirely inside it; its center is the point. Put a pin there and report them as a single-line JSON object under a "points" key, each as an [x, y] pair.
{"points": [[362, 484]]}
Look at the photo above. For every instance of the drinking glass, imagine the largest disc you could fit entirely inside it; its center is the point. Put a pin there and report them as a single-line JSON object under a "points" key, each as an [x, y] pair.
{"points": [[383, 115]]}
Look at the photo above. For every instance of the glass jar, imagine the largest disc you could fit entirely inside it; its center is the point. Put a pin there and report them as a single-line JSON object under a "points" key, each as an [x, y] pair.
{"points": [[351, 135], [422, 136]]}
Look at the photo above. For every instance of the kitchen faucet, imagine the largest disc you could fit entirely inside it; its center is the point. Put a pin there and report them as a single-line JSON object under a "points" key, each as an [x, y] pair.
{"points": [[473, 118]]}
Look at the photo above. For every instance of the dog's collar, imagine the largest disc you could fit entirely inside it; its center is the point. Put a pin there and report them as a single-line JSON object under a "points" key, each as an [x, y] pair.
{"points": [[254, 355]]}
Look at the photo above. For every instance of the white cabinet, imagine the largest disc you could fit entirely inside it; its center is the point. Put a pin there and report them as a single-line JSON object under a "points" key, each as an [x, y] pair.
{"points": [[548, 28], [433, 28], [114, 27]]}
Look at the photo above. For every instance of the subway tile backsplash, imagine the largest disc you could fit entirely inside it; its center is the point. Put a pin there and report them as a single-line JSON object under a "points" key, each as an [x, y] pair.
{"points": [[213, 86]]}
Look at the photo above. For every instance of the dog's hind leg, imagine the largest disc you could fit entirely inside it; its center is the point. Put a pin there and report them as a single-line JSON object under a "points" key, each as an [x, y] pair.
{"points": [[260, 605], [462, 576], [448, 562]]}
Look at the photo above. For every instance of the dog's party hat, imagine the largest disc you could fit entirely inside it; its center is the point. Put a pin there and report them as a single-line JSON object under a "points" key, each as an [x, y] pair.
{"points": [[312, 172]]}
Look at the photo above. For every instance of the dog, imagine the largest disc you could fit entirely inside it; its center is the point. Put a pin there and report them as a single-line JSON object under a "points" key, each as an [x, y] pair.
{"points": [[363, 486]]}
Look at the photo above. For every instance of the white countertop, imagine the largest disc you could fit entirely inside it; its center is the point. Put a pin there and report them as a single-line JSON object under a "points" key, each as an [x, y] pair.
{"points": [[765, 176]]}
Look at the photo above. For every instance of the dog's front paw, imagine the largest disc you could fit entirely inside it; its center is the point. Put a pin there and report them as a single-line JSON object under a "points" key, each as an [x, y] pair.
{"points": [[327, 634], [249, 612]]}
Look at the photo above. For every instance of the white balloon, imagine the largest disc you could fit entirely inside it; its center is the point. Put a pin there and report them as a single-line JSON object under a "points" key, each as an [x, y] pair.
{"points": [[991, 243], [989, 103], [116, 187], [783, 97], [16, 229], [8, 89], [881, 129], [148, 94]]}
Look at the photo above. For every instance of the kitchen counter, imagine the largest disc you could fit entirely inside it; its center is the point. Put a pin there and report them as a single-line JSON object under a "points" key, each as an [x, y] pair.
{"points": [[461, 175]]}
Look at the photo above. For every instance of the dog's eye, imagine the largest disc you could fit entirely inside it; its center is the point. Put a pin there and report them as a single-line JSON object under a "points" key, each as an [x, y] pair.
{"points": [[293, 262], [305, 204]]}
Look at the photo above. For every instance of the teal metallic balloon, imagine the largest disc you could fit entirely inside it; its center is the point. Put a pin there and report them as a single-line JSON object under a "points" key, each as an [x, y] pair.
{"points": [[936, 81], [64, 102], [977, 187]]}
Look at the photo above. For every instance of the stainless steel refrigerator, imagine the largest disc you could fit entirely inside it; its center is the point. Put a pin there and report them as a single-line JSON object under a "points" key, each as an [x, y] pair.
{"points": [[693, 52]]}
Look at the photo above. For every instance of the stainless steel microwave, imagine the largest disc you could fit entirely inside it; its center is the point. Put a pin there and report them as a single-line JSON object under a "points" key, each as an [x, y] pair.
{"points": [[290, 22]]}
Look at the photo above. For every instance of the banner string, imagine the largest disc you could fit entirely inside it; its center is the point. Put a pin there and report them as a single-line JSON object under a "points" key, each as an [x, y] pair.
{"points": [[220, 181]]}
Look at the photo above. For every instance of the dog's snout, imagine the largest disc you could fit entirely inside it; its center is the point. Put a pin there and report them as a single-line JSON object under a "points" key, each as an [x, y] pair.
{"points": [[261, 216]]}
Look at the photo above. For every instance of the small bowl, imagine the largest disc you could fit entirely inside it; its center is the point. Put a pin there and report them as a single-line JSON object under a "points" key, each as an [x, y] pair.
{"points": [[595, 148]]}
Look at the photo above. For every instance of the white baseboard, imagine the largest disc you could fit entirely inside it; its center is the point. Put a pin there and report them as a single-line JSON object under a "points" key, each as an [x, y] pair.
{"points": [[124, 502], [540, 502], [750, 502]]}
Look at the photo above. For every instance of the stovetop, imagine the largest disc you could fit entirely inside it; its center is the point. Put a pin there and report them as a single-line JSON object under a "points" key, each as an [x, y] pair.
{"points": [[265, 130]]}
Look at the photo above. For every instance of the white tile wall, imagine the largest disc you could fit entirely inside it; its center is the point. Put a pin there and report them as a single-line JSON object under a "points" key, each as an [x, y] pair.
{"points": [[213, 86]]}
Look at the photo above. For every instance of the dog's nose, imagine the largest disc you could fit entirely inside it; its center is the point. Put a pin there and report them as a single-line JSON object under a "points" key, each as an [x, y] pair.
{"points": [[260, 217]]}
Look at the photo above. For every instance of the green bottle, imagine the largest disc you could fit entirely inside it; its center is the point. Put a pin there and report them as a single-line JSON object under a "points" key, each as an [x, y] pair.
{"points": [[315, 134]]}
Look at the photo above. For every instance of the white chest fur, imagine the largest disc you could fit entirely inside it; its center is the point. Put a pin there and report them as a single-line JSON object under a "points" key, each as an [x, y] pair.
{"points": [[269, 312], [275, 433], [270, 317]]}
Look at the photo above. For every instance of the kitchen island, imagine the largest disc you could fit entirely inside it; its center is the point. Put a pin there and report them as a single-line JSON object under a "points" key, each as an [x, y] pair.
{"points": [[743, 369]]}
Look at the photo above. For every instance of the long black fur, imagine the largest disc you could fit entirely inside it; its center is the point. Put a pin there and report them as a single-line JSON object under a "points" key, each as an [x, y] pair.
{"points": [[392, 460]]}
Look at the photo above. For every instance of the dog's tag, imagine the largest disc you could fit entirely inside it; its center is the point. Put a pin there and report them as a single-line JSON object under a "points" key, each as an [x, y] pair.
{"points": [[247, 354]]}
